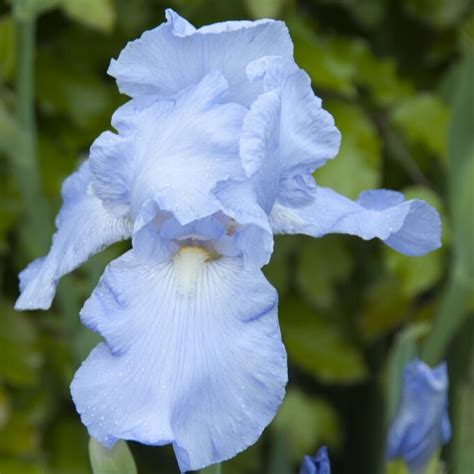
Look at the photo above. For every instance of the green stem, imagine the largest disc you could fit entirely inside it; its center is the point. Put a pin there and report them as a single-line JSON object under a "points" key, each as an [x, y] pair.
{"points": [[461, 374], [36, 211], [448, 320], [214, 469], [37, 228]]}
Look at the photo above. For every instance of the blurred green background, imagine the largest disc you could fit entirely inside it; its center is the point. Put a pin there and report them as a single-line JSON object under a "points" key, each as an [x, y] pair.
{"points": [[395, 75]]}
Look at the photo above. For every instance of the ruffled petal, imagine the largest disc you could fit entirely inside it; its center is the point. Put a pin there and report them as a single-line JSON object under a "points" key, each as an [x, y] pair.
{"points": [[421, 424], [259, 148], [250, 235], [175, 55], [84, 227], [173, 152], [193, 356], [411, 227], [286, 134], [308, 138]]}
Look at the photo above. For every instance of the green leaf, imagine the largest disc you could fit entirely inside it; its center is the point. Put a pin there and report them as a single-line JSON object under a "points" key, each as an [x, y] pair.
{"points": [[461, 159], [321, 264], [20, 358], [215, 469], [397, 467], [10, 135], [326, 60], [19, 437], [319, 346], [118, 460], [424, 119], [11, 466], [67, 445], [4, 407], [438, 13], [264, 8], [357, 166], [278, 271], [384, 307], [29, 9], [307, 422], [97, 14], [7, 48], [339, 64], [403, 351]]}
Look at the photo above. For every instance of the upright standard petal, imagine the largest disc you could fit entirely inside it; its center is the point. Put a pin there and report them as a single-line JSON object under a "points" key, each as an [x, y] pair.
{"points": [[175, 55], [286, 134], [84, 227], [421, 424], [173, 152], [317, 464], [193, 356], [410, 227]]}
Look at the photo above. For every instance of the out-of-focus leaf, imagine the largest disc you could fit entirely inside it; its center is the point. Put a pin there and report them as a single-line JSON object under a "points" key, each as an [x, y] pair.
{"points": [[67, 443], [416, 274], [380, 77], [247, 461], [7, 48], [464, 422], [4, 407], [98, 14], [438, 13], [19, 437], [321, 264], [118, 460], [264, 8], [278, 271], [318, 346], [77, 94], [384, 307], [403, 351], [27, 9], [10, 466], [20, 358], [461, 160], [325, 59], [10, 134], [214, 469], [357, 167], [397, 467], [366, 12], [424, 119], [340, 65], [307, 422]]}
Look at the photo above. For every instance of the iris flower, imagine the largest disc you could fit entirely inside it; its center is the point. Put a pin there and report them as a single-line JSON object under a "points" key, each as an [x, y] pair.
{"points": [[421, 425], [317, 464], [211, 157]]}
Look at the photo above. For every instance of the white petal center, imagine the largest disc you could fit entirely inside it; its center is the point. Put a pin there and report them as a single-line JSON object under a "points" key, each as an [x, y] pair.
{"points": [[188, 264]]}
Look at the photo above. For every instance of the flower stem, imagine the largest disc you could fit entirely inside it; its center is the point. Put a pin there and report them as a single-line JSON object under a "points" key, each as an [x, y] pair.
{"points": [[37, 230], [214, 469], [38, 227], [449, 319]]}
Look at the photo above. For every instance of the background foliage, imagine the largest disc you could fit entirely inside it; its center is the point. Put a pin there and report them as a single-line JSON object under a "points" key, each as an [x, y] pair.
{"points": [[352, 312]]}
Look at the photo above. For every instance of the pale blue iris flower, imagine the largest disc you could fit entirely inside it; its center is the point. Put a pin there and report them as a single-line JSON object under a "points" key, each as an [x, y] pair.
{"points": [[421, 425], [213, 155], [317, 464]]}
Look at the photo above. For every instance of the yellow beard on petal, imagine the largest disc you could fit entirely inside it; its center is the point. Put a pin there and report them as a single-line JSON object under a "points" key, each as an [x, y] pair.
{"points": [[188, 264]]}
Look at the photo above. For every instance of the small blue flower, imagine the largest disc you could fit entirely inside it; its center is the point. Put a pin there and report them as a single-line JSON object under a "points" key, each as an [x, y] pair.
{"points": [[211, 157], [421, 424], [317, 464]]}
